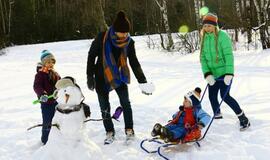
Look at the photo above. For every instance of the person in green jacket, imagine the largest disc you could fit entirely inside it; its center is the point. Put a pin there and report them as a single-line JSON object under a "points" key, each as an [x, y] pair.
{"points": [[217, 63]]}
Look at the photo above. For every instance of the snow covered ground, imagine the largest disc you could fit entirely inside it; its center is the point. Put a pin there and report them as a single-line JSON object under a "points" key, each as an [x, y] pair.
{"points": [[173, 75]]}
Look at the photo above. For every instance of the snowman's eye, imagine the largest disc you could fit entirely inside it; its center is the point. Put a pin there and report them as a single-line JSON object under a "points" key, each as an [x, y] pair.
{"points": [[65, 90]]}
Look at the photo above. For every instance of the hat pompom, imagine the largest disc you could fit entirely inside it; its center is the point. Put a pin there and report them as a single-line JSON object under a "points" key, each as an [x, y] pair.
{"points": [[194, 96], [197, 89], [121, 15]]}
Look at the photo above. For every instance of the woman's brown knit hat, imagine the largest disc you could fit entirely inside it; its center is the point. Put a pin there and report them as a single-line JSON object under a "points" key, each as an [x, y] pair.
{"points": [[121, 23]]}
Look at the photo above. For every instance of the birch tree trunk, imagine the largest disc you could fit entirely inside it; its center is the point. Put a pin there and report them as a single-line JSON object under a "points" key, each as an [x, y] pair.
{"points": [[262, 17], [238, 10], [197, 13], [198, 4], [163, 9], [248, 20], [239, 15]]}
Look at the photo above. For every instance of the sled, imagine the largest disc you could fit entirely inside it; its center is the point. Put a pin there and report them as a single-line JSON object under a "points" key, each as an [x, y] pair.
{"points": [[162, 144]]}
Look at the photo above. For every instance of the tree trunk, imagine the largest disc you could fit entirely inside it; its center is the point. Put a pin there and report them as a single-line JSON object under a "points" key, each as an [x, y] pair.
{"points": [[197, 13], [100, 16], [11, 2], [163, 9], [198, 4], [238, 10], [248, 21], [261, 10], [3, 23], [236, 35]]}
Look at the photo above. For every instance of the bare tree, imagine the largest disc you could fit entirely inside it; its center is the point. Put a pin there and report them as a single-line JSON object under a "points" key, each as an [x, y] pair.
{"points": [[5, 19], [238, 10], [163, 9], [248, 20], [100, 15], [262, 17], [11, 2], [197, 6], [243, 11], [3, 23]]}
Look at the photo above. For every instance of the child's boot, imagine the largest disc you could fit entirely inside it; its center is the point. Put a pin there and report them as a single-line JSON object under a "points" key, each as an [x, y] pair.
{"points": [[244, 122], [166, 134], [156, 130]]}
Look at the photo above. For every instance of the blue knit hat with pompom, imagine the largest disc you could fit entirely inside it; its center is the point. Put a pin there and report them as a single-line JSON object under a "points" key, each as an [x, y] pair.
{"points": [[46, 56]]}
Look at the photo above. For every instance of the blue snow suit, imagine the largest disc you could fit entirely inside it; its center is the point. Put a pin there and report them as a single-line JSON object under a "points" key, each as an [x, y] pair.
{"points": [[179, 131]]}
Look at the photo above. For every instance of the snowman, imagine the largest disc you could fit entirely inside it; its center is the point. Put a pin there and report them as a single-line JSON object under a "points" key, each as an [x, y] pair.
{"points": [[68, 141]]}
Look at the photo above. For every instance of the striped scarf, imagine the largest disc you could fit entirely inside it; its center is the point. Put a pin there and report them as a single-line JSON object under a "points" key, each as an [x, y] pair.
{"points": [[53, 75], [115, 73]]}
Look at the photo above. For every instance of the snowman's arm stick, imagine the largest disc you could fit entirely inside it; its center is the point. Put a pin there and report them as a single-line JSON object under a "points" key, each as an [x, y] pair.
{"points": [[40, 125]]}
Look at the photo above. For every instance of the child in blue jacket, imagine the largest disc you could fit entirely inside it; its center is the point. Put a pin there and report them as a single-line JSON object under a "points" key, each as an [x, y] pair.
{"points": [[186, 123]]}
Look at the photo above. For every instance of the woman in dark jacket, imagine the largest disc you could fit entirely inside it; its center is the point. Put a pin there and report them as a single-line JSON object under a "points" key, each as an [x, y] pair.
{"points": [[111, 72]]}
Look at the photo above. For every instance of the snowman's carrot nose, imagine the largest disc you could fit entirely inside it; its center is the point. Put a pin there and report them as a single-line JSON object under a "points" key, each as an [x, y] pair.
{"points": [[67, 97]]}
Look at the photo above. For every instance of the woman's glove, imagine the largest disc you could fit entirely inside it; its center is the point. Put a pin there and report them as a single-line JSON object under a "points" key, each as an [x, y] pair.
{"points": [[91, 83], [210, 80], [147, 88], [228, 79]]}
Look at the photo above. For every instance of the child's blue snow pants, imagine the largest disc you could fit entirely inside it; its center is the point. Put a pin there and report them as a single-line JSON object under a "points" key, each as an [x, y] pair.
{"points": [[47, 111]]}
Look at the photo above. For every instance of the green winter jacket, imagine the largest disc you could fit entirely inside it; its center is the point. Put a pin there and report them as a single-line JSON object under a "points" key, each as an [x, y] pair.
{"points": [[225, 64]]}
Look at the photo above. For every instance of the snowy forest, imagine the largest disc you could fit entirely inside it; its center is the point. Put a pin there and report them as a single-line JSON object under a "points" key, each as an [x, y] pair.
{"points": [[38, 21]]}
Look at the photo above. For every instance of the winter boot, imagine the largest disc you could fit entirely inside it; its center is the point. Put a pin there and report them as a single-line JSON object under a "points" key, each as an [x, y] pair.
{"points": [[244, 122], [156, 130], [166, 135], [129, 134], [109, 137]]}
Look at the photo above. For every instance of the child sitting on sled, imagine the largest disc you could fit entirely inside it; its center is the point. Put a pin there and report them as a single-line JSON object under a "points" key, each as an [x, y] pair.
{"points": [[187, 123]]}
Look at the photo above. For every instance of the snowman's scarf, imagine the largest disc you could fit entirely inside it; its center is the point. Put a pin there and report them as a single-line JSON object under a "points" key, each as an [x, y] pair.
{"points": [[67, 111], [76, 108]]}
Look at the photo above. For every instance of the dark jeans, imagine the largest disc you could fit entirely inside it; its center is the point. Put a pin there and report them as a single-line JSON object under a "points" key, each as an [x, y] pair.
{"points": [[105, 107], [47, 111], [213, 92]]}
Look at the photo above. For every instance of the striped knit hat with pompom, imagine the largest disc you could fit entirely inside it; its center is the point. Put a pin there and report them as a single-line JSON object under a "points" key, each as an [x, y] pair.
{"points": [[210, 18], [46, 56]]}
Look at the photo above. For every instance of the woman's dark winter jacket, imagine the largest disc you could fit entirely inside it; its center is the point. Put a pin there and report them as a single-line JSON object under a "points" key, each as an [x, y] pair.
{"points": [[95, 68]]}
